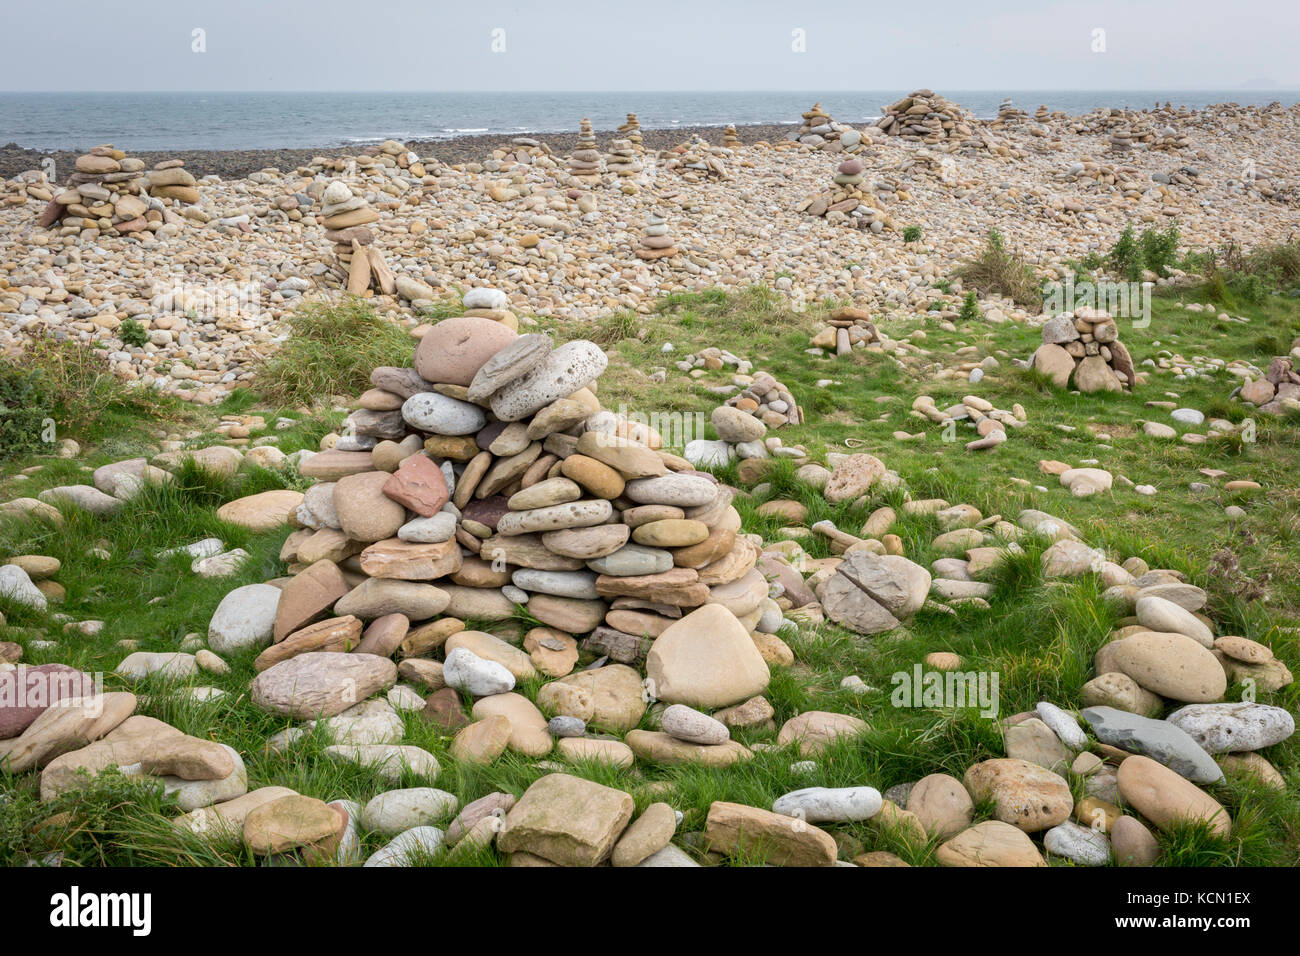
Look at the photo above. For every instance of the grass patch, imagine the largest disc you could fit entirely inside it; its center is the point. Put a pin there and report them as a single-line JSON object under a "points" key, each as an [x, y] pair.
{"points": [[999, 270]]}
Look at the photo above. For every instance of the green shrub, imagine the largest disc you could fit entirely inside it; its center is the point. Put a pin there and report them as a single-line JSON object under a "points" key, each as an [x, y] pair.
{"points": [[331, 350], [911, 233], [133, 333], [21, 415], [1155, 250], [970, 308]]}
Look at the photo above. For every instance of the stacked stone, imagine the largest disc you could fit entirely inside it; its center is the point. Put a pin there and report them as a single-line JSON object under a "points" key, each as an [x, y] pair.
{"points": [[103, 196], [631, 130], [622, 159], [990, 422], [170, 180], [656, 242], [816, 129], [487, 479], [1010, 115], [848, 328], [730, 138], [1278, 390], [696, 160], [584, 162], [1083, 351], [522, 150], [928, 117], [849, 201], [345, 217]]}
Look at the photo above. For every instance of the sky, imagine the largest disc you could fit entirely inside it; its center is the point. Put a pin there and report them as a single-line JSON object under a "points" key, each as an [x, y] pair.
{"points": [[564, 45]]}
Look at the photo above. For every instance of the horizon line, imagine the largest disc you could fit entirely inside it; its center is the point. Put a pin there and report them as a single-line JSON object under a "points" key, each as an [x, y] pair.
{"points": [[1007, 89]]}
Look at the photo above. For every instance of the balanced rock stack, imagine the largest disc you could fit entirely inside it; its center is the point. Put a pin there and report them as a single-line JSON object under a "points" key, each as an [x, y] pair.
{"points": [[816, 128], [848, 327], [697, 160], [170, 180], [487, 478], [1278, 389], [631, 130], [1083, 351], [656, 243], [730, 138], [103, 195], [584, 162], [345, 217], [849, 201], [928, 117], [622, 158]]}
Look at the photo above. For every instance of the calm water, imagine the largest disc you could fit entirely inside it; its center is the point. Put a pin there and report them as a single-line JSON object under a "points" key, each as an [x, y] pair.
{"points": [[195, 121]]}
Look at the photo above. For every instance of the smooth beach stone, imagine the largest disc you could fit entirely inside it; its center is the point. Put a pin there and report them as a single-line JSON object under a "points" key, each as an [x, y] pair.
{"points": [[455, 349], [990, 843], [465, 670], [688, 724], [629, 458], [1133, 843], [390, 761], [509, 363], [1083, 845], [288, 823], [572, 366], [375, 597], [1167, 799], [572, 584], [567, 820], [1063, 725], [574, 514], [647, 835], [829, 804], [671, 533], [321, 683], [633, 560], [442, 415], [432, 530], [734, 828], [408, 848], [941, 804], [706, 660], [528, 730], [587, 543], [244, 618], [566, 726], [682, 491], [364, 511], [1234, 727], [1160, 740], [544, 494], [1024, 794], [395, 811], [1171, 665], [1159, 614]]}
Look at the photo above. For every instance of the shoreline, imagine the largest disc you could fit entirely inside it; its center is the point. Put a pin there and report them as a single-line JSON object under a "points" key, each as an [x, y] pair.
{"points": [[467, 148]]}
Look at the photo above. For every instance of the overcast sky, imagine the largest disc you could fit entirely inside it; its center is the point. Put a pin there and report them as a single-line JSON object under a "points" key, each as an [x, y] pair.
{"points": [[655, 45]]}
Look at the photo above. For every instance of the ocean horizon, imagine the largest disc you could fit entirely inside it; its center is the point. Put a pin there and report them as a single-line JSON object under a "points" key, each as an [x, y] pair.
{"points": [[312, 119]]}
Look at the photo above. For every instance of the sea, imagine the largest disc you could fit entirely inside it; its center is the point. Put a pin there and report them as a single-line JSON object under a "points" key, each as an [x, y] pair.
{"points": [[278, 120]]}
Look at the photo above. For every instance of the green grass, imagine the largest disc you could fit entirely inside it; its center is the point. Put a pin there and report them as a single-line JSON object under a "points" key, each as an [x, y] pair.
{"points": [[1038, 637]]}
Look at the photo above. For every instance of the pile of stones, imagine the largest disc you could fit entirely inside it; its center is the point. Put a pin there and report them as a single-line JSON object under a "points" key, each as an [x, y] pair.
{"points": [[848, 327], [622, 159], [730, 138], [1082, 350], [524, 150], [849, 201], [631, 130], [1279, 388], [742, 424], [107, 195], [929, 118], [819, 131], [697, 161], [358, 263], [584, 162], [656, 242], [170, 179], [978, 413]]}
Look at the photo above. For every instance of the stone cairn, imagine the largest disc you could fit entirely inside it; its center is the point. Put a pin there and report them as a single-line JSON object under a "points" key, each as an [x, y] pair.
{"points": [[927, 117], [697, 160], [359, 264], [990, 422], [622, 159], [656, 242], [584, 162], [730, 138], [847, 328], [524, 150], [631, 130], [1278, 389], [1083, 351], [821, 132], [743, 423], [849, 201], [487, 479], [109, 194]]}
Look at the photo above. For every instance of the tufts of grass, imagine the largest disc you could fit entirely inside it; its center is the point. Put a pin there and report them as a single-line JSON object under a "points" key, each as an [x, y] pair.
{"points": [[331, 350], [999, 270]]}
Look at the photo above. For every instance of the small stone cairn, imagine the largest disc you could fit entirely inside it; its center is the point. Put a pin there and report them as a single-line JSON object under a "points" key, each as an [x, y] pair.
{"points": [[1083, 351], [584, 162], [656, 242], [631, 130], [359, 265], [622, 159], [847, 328], [730, 138]]}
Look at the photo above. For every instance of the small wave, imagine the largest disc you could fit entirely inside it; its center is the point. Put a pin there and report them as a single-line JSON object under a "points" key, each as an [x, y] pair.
{"points": [[465, 129]]}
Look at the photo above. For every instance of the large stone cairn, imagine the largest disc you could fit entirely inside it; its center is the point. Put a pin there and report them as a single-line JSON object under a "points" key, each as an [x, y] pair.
{"points": [[622, 159], [487, 478], [631, 130], [584, 162], [656, 242], [848, 201], [110, 194], [927, 117], [847, 328], [359, 264], [1083, 351]]}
